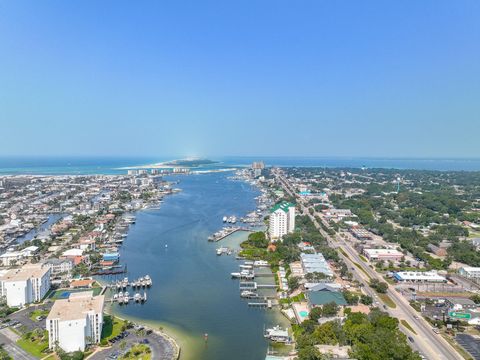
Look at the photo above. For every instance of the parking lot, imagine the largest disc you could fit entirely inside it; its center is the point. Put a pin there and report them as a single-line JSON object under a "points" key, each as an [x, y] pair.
{"points": [[470, 343], [161, 348], [23, 316]]}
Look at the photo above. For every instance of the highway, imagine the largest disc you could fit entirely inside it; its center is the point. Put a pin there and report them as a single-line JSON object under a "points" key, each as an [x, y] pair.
{"points": [[426, 342]]}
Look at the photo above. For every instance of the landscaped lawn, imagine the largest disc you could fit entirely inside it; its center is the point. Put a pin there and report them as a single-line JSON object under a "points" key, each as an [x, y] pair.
{"points": [[111, 328], [36, 313], [386, 299], [138, 352], [408, 326], [35, 345]]}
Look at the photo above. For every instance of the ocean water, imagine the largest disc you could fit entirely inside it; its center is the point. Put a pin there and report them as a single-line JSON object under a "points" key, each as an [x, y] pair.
{"points": [[114, 165]]}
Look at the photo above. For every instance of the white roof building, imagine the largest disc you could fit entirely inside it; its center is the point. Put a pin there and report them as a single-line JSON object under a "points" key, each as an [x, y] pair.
{"points": [[72, 253], [315, 263], [470, 272], [75, 322], [25, 285], [418, 276], [383, 254], [9, 257]]}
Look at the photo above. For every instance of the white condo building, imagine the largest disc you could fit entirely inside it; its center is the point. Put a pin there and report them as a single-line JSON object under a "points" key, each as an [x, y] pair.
{"points": [[282, 220], [25, 285], [75, 322]]}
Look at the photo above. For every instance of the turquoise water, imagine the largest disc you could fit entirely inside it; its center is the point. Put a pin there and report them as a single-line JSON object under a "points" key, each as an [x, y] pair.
{"points": [[193, 293], [112, 165]]}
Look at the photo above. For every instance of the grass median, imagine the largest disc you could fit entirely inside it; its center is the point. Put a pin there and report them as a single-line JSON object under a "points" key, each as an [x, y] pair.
{"points": [[387, 300], [408, 326]]}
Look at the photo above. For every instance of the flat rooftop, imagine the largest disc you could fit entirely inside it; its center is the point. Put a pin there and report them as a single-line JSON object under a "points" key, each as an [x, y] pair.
{"points": [[24, 273], [77, 306]]}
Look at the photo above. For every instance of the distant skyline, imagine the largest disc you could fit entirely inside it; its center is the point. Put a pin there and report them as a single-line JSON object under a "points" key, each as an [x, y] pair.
{"points": [[252, 78]]}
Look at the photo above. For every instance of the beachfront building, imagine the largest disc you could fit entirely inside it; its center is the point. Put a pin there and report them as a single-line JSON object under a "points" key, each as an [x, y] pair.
{"points": [[25, 285], [75, 322], [383, 254], [315, 263], [282, 220], [419, 276]]}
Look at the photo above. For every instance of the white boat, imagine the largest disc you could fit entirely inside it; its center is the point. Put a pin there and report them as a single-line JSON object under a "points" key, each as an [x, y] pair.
{"points": [[225, 219], [120, 294], [126, 299], [248, 294], [235, 275], [219, 251], [277, 334], [246, 267], [137, 297], [260, 263]]}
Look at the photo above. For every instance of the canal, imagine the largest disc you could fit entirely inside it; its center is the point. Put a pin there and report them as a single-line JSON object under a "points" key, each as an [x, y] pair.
{"points": [[192, 291]]}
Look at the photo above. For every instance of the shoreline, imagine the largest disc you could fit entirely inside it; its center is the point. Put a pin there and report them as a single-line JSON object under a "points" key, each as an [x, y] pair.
{"points": [[159, 332], [186, 343]]}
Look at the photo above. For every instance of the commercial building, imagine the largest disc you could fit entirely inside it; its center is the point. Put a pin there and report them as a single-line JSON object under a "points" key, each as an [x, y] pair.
{"points": [[459, 304], [361, 233], [470, 272], [315, 263], [418, 276], [282, 220], [75, 322], [25, 285], [383, 254]]}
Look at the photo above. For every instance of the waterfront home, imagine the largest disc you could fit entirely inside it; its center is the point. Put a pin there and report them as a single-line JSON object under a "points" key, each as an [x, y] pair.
{"points": [[24, 285], [115, 256], [76, 322], [320, 298]]}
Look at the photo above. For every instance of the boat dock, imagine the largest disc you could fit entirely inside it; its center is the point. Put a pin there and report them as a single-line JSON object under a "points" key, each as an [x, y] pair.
{"points": [[252, 285], [264, 304], [222, 234]]}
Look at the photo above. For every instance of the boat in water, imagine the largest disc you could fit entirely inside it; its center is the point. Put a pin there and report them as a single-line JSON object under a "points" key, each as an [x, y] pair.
{"points": [[277, 334]]}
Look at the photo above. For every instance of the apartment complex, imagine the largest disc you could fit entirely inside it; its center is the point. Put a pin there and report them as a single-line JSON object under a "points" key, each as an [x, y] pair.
{"points": [[25, 285], [282, 220], [75, 322]]}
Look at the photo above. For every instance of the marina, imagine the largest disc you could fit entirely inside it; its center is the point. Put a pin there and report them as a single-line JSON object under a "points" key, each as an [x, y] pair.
{"points": [[158, 245]]}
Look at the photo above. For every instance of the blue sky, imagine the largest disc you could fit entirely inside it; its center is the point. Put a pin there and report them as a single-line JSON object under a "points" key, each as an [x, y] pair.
{"points": [[209, 78]]}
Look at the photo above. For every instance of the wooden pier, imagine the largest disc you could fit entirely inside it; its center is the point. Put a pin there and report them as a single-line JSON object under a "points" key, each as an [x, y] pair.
{"points": [[228, 233]]}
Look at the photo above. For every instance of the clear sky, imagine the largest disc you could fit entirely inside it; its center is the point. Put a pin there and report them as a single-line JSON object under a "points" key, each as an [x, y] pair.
{"points": [[246, 77]]}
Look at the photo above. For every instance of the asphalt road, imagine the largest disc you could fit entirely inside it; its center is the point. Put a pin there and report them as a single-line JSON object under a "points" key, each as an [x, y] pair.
{"points": [[431, 345], [161, 348], [8, 340]]}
